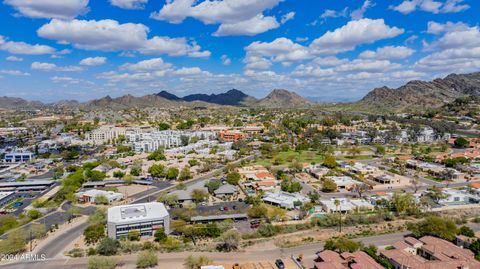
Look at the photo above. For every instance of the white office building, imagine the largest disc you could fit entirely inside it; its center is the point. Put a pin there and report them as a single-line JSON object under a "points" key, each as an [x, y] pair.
{"points": [[146, 218], [18, 155]]}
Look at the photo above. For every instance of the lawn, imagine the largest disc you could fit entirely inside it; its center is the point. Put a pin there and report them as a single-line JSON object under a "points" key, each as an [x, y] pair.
{"points": [[434, 178], [359, 157]]}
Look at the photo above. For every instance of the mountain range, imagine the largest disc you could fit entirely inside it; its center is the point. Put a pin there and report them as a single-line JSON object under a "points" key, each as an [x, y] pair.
{"points": [[419, 95], [232, 97], [414, 95]]}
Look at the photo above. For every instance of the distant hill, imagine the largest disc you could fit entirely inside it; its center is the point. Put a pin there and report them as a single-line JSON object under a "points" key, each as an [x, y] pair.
{"points": [[420, 95], [18, 103], [280, 98], [232, 97], [128, 101], [168, 96]]}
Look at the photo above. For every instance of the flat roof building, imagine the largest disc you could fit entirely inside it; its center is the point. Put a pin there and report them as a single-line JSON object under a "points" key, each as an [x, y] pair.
{"points": [[18, 156], [146, 218], [6, 197], [89, 196], [34, 185], [284, 199]]}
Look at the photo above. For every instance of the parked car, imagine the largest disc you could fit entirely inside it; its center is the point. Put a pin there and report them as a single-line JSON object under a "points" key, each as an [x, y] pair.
{"points": [[279, 263], [254, 224]]}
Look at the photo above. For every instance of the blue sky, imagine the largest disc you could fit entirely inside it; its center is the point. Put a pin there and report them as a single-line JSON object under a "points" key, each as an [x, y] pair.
{"points": [[328, 50]]}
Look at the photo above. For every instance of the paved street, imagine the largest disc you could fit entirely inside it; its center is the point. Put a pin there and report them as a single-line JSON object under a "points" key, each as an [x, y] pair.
{"points": [[177, 259]]}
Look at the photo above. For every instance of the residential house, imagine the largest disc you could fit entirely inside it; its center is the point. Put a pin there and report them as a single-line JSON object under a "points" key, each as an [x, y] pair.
{"points": [[429, 252], [329, 259]]}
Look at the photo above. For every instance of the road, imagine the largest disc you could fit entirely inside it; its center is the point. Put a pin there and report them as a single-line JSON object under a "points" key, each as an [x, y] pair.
{"points": [[55, 248], [176, 260]]}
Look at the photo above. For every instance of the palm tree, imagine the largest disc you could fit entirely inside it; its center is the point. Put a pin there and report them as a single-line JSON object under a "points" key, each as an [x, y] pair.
{"points": [[337, 205]]}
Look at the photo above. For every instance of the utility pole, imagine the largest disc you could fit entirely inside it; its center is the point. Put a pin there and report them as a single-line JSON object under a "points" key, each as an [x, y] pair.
{"points": [[31, 239]]}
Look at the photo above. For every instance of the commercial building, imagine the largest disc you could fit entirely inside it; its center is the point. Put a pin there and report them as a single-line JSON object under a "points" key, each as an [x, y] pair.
{"points": [[429, 252], [329, 259], [231, 135], [18, 155], [89, 196], [146, 218]]}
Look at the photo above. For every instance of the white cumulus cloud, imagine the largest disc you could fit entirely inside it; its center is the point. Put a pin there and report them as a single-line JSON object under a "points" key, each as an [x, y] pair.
{"points": [[93, 61], [60, 9], [354, 33], [256, 25], [110, 35], [388, 53], [129, 4], [15, 47]]}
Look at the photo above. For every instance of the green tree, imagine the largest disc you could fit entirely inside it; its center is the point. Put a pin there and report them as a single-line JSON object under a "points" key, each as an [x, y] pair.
{"points": [[461, 142], [168, 199], [199, 195], [95, 175], [233, 178], [330, 162], [157, 156], [94, 233], [380, 150], [342, 244], [185, 173], [466, 231], [162, 126], [14, 243], [192, 162], [436, 194], [157, 170], [108, 246], [432, 225], [101, 200], [257, 211], [146, 259], [404, 203], [98, 217], [212, 185], [134, 235], [329, 185], [34, 214], [118, 174], [160, 235], [172, 173], [135, 170]]}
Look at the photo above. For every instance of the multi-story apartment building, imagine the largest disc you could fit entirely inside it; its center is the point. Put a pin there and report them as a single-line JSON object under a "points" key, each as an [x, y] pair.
{"points": [[105, 133], [151, 141]]}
